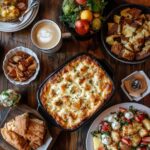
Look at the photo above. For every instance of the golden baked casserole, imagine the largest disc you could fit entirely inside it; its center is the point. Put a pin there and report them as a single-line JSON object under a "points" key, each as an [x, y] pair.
{"points": [[76, 92]]}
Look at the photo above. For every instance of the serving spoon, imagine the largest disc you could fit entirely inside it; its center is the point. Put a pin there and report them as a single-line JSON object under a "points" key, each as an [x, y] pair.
{"points": [[32, 5]]}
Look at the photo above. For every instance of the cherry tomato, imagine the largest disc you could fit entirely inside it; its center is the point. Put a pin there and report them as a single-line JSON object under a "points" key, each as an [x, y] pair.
{"points": [[140, 117], [81, 2], [105, 127]]}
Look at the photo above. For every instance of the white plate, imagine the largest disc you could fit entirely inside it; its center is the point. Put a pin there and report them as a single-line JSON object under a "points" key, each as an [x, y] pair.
{"points": [[16, 26], [89, 140]]}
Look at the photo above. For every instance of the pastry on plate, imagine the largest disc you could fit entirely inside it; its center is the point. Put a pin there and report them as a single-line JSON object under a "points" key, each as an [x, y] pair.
{"points": [[24, 132], [15, 140], [19, 124], [36, 132]]}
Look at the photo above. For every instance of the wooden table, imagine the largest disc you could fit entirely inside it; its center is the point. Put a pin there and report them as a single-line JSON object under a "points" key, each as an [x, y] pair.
{"points": [[50, 9]]}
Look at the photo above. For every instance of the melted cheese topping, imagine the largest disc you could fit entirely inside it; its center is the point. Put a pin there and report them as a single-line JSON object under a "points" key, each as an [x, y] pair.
{"points": [[76, 92]]}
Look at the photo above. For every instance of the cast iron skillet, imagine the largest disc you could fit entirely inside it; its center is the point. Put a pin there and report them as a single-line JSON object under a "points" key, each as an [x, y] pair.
{"points": [[48, 117], [104, 31]]}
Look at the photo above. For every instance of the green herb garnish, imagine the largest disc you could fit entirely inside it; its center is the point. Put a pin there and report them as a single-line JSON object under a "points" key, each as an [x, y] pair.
{"points": [[96, 5], [95, 133], [132, 109], [71, 12]]}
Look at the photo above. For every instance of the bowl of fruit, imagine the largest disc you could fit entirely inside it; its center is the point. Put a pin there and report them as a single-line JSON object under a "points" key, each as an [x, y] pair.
{"points": [[82, 17]]}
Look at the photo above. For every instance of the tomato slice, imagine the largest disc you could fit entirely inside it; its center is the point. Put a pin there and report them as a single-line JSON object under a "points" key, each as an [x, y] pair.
{"points": [[146, 139], [140, 117], [105, 127], [126, 141]]}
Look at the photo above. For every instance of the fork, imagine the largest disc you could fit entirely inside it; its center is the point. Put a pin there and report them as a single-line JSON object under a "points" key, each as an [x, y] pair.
{"points": [[32, 5]]}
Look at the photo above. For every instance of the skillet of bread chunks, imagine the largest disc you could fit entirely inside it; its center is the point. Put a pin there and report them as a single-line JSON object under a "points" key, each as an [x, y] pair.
{"points": [[24, 132], [11, 10], [129, 34]]}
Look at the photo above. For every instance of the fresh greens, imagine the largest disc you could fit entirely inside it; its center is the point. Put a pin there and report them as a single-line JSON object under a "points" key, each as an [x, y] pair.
{"points": [[95, 133], [96, 5], [132, 109], [70, 12], [9, 98]]}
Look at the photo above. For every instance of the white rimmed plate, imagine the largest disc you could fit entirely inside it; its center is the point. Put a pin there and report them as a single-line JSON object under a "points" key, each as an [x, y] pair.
{"points": [[17, 26], [89, 140], [12, 52]]}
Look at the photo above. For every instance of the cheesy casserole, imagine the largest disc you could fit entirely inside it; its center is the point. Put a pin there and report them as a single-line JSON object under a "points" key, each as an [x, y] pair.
{"points": [[76, 92]]}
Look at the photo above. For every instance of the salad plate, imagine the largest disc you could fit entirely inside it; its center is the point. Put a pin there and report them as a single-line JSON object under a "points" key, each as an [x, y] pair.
{"points": [[115, 108]]}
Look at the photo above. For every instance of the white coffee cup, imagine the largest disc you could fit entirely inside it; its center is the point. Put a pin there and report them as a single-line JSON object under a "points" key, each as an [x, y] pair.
{"points": [[46, 35]]}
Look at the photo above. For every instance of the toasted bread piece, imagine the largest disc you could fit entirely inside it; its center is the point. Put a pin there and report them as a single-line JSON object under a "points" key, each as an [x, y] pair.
{"points": [[128, 30], [134, 12], [19, 124], [144, 53], [36, 132], [127, 54], [117, 48], [15, 140], [112, 28], [117, 19]]}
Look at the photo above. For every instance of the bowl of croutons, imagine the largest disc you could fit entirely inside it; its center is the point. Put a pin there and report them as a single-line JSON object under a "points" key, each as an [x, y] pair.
{"points": [[21, 66], [125, 33]]}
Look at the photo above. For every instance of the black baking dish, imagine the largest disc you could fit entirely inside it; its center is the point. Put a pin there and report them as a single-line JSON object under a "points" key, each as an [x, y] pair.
{"points": [[104, 31], [48, 117]]}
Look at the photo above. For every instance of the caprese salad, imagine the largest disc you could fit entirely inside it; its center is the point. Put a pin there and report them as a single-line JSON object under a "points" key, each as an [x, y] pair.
{"points": [[127, 129]]}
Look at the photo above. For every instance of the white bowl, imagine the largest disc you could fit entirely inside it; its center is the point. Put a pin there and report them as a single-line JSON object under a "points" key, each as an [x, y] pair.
{"points": [[10, 54]]}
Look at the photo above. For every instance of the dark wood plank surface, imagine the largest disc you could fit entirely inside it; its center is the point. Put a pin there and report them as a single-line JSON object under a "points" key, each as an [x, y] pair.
{"points": [[50, 9]]}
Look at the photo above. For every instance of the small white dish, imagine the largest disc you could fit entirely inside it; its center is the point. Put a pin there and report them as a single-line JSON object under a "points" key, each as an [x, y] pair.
{"points": [[94, 125], [12, 52], [144, 94]]}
